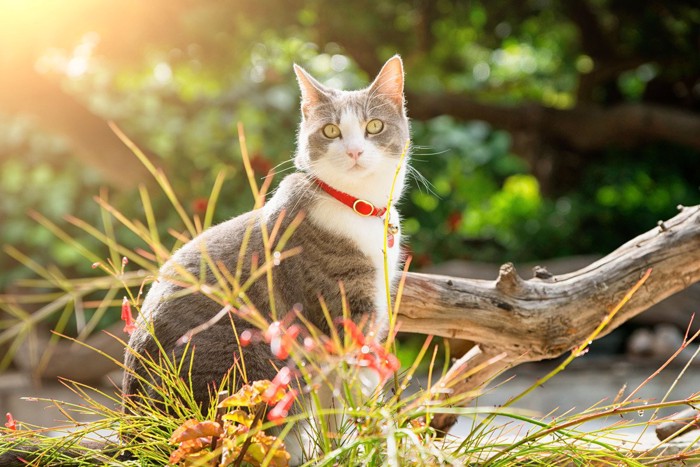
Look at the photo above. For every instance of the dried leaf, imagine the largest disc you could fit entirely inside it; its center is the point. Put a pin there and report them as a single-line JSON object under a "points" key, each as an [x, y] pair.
{"points": [[178, 455], [188, 449], [247, 396], [280, 458], [193, 429], [255, 453], [261, 446], [240, 417], [261, 386]]}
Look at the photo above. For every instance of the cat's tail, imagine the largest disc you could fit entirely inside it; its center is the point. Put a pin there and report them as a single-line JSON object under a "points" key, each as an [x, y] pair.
{"points": [[28, 453]]}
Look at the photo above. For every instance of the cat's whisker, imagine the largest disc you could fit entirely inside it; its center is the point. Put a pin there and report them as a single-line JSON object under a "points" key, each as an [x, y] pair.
{"points": [[421, 181], [286, 161], [434, 153], [310, 186], [273, 173], [306, 176]]}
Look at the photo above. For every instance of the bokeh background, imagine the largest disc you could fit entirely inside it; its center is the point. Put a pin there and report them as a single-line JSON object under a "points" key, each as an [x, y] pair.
{"points": [[545, 129]]}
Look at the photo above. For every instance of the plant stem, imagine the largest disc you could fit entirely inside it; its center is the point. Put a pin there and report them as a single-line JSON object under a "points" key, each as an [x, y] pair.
{"points": [[258, 415], [218, 419]]}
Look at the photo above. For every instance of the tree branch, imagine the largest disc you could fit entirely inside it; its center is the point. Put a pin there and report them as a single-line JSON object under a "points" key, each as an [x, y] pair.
{"points": [[543, 318], [679, 424], [582, 128], [594, 39]]}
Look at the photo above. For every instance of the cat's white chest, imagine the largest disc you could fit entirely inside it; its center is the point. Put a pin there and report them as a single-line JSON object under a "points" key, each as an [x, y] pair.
{"points": [[367, 233]]}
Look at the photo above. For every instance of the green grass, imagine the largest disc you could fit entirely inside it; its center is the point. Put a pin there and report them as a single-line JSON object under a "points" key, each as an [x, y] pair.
{"points": [[389, 427]]}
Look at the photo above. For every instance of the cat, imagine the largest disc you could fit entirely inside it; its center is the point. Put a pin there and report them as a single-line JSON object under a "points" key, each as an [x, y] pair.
{"points": [[348, 142], [349, 153]]}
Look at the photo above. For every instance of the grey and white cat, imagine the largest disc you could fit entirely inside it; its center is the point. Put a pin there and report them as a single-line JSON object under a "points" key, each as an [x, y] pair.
{"points": [[350, 140]]}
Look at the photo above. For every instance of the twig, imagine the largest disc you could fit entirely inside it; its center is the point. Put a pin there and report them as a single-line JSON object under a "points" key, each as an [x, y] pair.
{"points": [[204, 326], [258, 415], [218, 418]]}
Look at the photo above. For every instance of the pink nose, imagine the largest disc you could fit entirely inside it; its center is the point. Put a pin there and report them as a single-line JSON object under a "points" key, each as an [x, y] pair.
{"points": [[355, 153]]}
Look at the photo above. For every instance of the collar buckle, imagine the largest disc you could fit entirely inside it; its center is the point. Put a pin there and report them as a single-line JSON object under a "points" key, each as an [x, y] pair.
{"points": [[363, 208]]}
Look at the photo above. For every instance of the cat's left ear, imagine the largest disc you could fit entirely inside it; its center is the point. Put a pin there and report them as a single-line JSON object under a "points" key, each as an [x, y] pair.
{"points": [[389, 81]]}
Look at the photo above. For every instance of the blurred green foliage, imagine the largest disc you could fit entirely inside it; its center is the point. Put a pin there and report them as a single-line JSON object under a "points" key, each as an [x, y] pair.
{"points": [[40, 175], [181, 101]]}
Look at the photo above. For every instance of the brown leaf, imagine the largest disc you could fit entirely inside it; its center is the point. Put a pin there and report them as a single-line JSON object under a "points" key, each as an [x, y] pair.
{"points": [[280, 458], [247, 396], [193, 429], [260, 447], [188, 449]]}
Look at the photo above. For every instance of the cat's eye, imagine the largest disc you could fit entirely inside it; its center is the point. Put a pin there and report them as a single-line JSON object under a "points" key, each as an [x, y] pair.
{"points": [[331, 131], [375, 126]]}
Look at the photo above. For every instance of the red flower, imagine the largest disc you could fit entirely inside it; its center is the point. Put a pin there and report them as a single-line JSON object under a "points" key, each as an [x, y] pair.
{"points": [[283, 377], [272, 331], [352, 329], [127, 317], [329, 345], [388, 359], [309, 343], [280, 411], [199, 205], [246, 338], [11, 423], [281, 341], [293, 331], [278, 348], [454, 220], [375, 357], [279, 383], [392, 363]]}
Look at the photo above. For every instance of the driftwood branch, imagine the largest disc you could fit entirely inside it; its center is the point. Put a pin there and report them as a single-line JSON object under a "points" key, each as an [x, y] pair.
{"points": [[545, 316], [679, 424]]}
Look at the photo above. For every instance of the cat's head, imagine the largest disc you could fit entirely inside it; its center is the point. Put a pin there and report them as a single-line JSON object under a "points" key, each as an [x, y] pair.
{"points": [[353, 140]]}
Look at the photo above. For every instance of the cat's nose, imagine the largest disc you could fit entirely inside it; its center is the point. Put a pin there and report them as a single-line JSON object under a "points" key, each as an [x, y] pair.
{"points": [[355, 154]]}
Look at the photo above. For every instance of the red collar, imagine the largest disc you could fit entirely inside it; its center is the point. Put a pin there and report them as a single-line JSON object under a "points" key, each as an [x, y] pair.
{"points": [[360, 206]]}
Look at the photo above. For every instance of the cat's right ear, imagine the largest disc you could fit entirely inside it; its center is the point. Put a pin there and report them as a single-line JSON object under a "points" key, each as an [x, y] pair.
{"points": [[312, 92]]}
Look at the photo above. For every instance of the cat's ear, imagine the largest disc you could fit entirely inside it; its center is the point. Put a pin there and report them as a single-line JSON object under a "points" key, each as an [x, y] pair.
{"points": [[312, 92], [389, 81]]}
